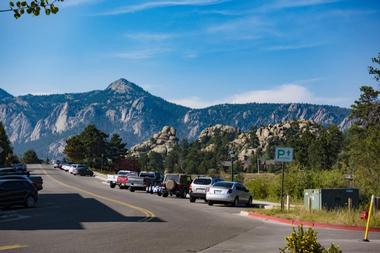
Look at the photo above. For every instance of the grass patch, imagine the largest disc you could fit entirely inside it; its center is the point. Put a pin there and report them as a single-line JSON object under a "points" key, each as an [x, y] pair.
{"points": [[339, 217]]}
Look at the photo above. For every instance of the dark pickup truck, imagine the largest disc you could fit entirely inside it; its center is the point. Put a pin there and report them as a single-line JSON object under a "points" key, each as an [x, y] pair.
{"points": [[144, 181]]}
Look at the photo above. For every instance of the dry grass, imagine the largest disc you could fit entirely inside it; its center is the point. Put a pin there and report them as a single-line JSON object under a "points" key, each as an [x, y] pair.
{"points": [[342, 216]]}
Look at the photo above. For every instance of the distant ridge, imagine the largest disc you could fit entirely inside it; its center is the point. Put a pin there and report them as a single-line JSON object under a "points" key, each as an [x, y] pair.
{"points": [[44, 122]]}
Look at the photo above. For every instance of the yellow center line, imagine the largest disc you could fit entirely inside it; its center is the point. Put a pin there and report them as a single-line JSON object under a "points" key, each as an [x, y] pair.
{"points": [[10, 247], [149, 215]]}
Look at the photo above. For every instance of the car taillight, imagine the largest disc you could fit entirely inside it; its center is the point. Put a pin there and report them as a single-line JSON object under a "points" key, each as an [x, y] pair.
{"points": [[229, 191]]}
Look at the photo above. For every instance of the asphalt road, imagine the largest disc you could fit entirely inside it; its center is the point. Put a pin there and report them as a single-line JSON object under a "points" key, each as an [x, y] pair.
{"points": [[82, 214]]}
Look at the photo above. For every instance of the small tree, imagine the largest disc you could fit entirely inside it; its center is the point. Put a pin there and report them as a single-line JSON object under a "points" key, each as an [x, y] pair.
{"points": [[6, 156], [30, 156]]}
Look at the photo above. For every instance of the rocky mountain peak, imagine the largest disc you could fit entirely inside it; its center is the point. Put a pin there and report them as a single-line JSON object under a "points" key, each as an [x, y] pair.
{"points": [[124, 86], [4, 94]]}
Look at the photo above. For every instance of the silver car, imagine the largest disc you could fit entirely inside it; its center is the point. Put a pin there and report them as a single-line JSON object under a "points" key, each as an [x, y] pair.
{"points": [[225, 192], [199, 187]]}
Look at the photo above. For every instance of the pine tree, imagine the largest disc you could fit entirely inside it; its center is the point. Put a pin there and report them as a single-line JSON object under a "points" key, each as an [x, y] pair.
{"points": [[6, 156]]}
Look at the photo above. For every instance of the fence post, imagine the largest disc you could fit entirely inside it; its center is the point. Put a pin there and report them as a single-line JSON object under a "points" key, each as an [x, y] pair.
{"points": [[309, 203], [349, 202], [287, 202]]}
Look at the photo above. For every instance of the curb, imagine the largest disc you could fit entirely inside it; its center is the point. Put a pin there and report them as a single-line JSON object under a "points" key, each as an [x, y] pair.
{"points": [[305, 223], [100, 176]]}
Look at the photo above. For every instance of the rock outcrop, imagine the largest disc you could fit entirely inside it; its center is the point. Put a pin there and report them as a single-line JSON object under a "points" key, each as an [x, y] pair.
{"points": [[161, 142]]}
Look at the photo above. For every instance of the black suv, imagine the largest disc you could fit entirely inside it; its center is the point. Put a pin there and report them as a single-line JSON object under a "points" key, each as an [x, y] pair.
{"points": [[176, 184], [17, 192]]}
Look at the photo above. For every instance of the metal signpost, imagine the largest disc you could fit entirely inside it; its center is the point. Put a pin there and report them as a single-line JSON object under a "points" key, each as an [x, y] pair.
{"points": [[232, 156], [283, 155]]}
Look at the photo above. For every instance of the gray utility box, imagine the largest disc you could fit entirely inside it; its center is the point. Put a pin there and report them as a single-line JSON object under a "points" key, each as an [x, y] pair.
{"points": [[331, 198]]}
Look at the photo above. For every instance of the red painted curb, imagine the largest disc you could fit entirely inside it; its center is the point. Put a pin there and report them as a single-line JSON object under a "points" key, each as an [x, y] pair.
{"points": [[310, 223]]}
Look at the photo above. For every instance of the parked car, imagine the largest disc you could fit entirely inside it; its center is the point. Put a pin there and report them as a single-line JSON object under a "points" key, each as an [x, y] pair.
{"points": [[225, 192], [20, 167], [36, 181], [120, 179], [73, 167], [17, 192], [176, 184], [83, 171], [200, 186], [12, 171], [144, 180], [66, 166], [57, 164]]}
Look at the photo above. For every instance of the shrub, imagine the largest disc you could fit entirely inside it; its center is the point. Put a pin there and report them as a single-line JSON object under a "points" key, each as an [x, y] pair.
{"points": [[301, 241]]}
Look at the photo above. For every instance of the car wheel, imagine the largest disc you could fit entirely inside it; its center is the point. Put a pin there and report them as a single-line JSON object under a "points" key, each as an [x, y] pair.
{"points": [[112, 185], [249, 203], [210, 203], [192, 199], [30, 202], [131, 189], [236, 202], [159, 193], [165, 194], [121, 187]]}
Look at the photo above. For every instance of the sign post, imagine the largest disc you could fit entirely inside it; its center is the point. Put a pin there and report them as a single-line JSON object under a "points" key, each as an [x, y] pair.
{"points": [[283, 155]]}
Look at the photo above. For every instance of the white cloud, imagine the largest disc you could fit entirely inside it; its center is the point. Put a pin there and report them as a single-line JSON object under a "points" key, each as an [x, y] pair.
{"points": [[194, 102], [68, 3], [282, 94], [142, 54], [283, 4], [149, 36], [286, 93], [161, 4], [293, 47]]}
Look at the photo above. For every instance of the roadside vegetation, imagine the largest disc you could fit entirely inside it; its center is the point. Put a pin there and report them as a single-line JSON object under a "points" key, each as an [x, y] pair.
{"points": [[337, 216], [305, 241]]}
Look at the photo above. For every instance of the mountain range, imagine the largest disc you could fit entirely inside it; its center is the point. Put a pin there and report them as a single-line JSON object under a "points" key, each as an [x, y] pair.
{"points": [[43, 122]]}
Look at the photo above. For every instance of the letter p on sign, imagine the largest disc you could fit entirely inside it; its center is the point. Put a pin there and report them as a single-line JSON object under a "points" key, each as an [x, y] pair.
{"points": [[283, 154]]}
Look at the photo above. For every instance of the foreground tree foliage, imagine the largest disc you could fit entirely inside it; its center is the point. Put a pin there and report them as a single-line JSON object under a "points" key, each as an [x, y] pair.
{"points": [[362, 151], [93, 148], [32, 7]]}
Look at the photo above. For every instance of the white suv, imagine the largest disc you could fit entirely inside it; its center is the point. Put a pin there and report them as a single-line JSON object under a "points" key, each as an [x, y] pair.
{"points": [[200, 186]]}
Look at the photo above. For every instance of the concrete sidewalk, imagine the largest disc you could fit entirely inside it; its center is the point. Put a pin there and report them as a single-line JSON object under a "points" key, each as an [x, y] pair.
{"points": [[269, 237]]}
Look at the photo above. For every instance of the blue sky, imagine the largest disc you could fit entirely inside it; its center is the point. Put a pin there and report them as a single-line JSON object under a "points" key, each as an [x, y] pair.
{"points": [[196, 52]]}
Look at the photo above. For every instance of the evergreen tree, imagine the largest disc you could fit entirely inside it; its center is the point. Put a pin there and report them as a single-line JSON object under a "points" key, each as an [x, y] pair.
{"points": [[6, 156], [30, 156], [116, 148]]}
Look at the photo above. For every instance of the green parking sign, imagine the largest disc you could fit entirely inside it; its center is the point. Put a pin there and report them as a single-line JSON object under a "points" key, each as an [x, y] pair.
{"points": [[283, 154]]}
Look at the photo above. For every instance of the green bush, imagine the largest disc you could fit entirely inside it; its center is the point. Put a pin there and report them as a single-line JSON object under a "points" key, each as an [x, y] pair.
{"points": [[301, 241], [268, 186]]}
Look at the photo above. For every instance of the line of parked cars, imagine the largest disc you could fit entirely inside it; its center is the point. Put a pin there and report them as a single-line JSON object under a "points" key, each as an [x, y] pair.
{"points": [[213, 190], [18, 187], [74, 168]]}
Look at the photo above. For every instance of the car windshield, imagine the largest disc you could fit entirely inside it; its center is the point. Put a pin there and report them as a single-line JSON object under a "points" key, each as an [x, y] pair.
{"points": [[202, 181], [146, 174], [172, 177], [226, 185]]}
